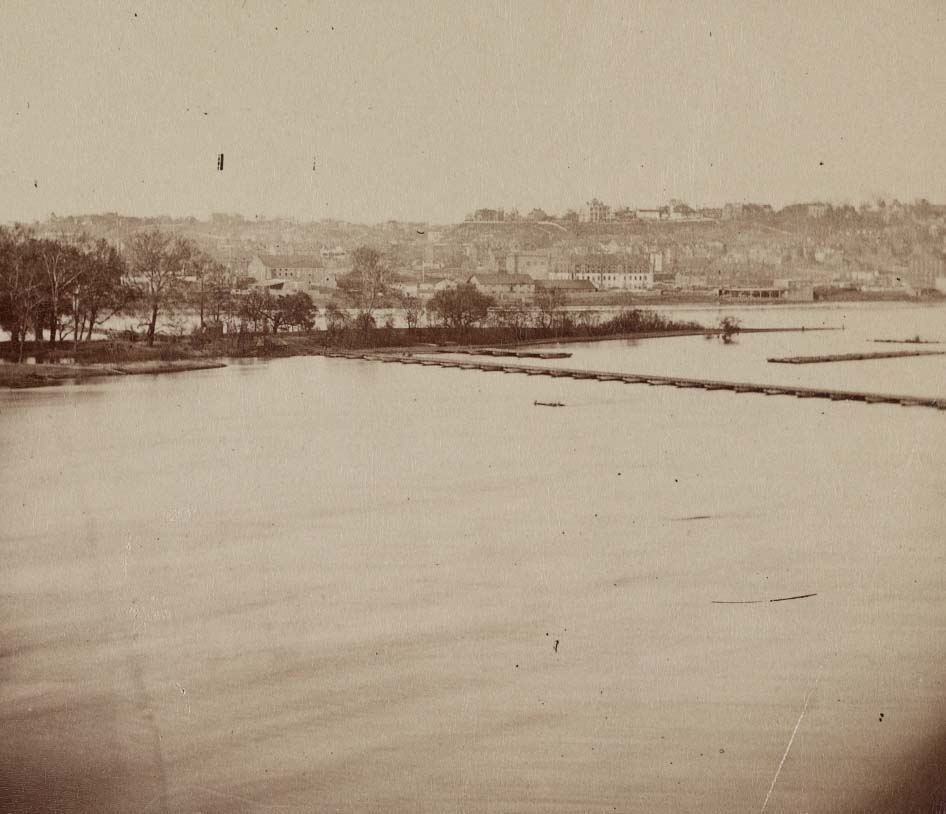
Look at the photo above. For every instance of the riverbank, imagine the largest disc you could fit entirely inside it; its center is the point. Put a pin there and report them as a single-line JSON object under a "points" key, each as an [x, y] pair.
{"points": [[53, 363], [54, 366], [18, 376], [822, 295]]}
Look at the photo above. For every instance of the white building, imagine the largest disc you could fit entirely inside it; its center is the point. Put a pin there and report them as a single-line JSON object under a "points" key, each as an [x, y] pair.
{"points": [[304, 270], [627, 272], [595, 211]]}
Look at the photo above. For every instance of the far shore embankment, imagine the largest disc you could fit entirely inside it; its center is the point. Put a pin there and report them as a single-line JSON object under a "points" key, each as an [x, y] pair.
{"points": [[65, 364]]}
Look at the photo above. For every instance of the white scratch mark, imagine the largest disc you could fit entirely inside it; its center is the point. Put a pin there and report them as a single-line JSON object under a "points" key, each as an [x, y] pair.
{"points": [[791, 740]]}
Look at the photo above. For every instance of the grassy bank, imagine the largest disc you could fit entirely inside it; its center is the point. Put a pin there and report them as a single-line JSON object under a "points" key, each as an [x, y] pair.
{"points": [[50, 364], [18, 376]]}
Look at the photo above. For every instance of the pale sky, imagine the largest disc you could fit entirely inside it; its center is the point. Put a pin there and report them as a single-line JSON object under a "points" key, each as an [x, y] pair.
{"points": [[426, 111]]}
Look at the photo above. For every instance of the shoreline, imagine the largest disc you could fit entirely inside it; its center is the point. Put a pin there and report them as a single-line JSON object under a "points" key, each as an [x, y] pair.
{"points": [[23, 375]]}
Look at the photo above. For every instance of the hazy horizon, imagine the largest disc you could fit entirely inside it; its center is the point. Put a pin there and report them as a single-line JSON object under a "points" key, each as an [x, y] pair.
{"points": [[364, 113]]}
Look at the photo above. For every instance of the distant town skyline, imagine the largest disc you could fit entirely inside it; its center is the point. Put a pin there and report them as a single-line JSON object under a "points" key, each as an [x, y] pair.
{"points": [[365, 113]]}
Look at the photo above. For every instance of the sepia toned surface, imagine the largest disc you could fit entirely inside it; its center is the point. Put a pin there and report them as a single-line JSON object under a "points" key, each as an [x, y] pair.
{"points": [[320, 584], [297, 586], [366, 111]]}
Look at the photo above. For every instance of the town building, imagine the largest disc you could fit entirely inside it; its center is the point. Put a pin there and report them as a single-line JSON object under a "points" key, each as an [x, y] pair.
{"points": [[792, 294], [738, 211], [336, 256], [624, 214], [537, 264], [564, 287], [504, 287], [595, 211], [304, 270], [431, 286], [486, 215], [678, 210], [606, 271]]}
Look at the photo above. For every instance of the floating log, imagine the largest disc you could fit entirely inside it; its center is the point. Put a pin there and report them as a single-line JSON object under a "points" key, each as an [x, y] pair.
{"points": [[852, 357]]}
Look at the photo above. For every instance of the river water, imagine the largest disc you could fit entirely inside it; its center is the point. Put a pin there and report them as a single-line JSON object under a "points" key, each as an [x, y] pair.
{"points": [[314, 584]]}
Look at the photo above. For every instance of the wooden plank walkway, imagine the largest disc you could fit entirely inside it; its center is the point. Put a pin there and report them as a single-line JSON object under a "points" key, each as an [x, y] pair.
{"points": [[668, 381], [518, 354], [852, 357], [909, 341]]}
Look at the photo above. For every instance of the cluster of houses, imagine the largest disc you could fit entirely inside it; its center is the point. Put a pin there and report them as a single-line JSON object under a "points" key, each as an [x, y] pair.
{"points": [[523, 276], [596, 211], [527, 275]]}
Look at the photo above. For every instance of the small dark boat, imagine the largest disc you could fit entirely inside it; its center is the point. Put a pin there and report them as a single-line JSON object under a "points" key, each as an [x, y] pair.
{"points": [[548, 404]]}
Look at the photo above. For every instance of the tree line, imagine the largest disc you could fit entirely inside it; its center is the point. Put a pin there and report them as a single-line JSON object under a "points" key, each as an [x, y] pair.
{"points": [[59, 290]]}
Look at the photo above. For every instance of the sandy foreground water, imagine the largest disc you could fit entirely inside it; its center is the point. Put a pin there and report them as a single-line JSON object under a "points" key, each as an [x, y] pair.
{"points": [[325, 585]]}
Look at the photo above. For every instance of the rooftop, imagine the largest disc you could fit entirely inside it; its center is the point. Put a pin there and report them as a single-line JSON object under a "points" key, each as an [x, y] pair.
{"points": [[290, 261], [567, 285], [502, 279]]}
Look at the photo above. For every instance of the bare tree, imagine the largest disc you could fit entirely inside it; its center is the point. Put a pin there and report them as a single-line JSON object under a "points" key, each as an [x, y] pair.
{"points": [[300, 312], [335, 318], [210, 277], [256, 307], [550, 311], [158, 265], [101, 291], [60, 266], [461, 307], [412, 312], [21, 287], [369, 269]]}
